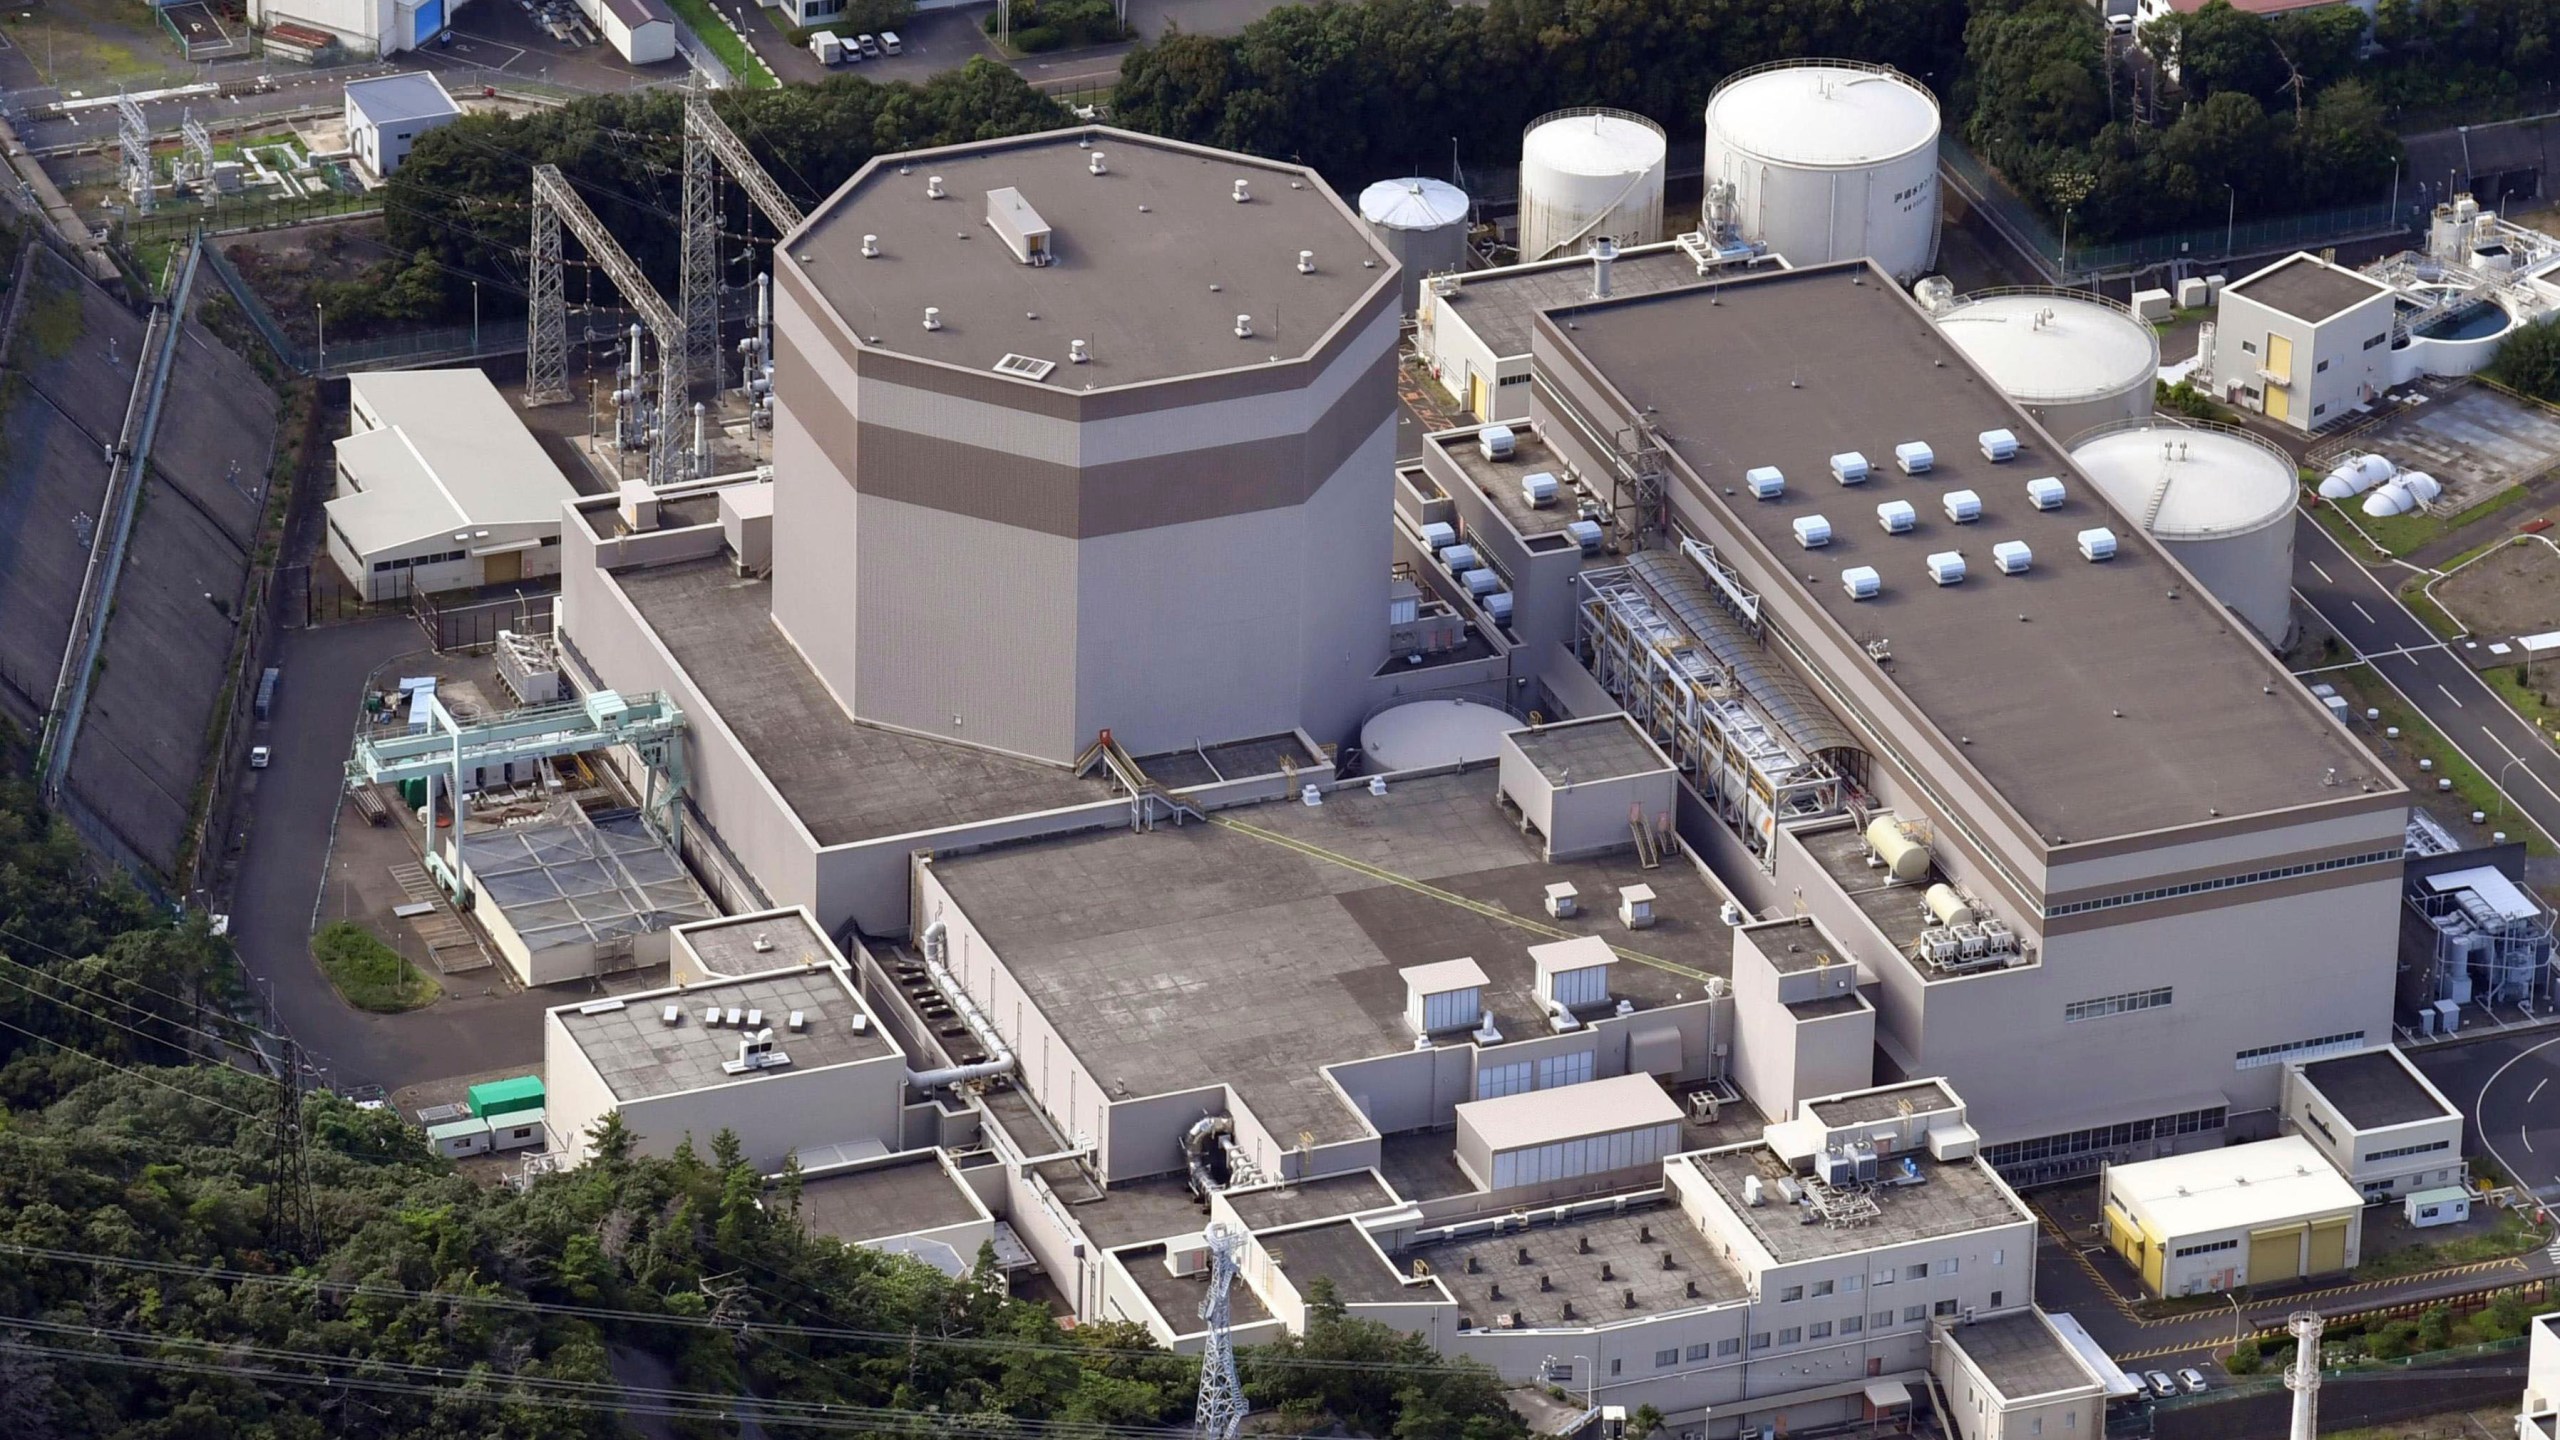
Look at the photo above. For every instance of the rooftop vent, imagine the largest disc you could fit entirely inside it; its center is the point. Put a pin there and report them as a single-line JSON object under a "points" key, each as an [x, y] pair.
{"points": [[755, 1018], [1635, 907], [763, 943], [1496, 442], [672, 1015], [1849, 468], [1019, 226], [1244, 327], [799, 1020], [2012, 557], [1243, 191], [1812, 531], [870, 247], [1963, 506], [933, 317], [2097, 544], [756, 1052], [1914, 457], [1947, 567], [2045, 494], [711, 1017], [1767, 482], [1998, 445], [1563, 901], [1093, 164], [1078, 352], [1026, 367], [933, 187], [1897, 517], [1862, 582], [1538, 489], [1306, 262]]}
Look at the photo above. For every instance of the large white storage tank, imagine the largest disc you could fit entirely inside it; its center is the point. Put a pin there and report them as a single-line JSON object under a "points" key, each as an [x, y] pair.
{"points": [[1421, 734], [1590, 173], [2074, 361], [1423, 223], [2219, 499], [1830, 160]]}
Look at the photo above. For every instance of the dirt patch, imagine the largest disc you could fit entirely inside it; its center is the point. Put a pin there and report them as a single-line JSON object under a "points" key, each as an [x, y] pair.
{"points": [[285, 267], [2512, 590]]}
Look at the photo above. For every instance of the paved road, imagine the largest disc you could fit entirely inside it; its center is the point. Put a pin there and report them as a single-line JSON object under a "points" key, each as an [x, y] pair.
{"points": [[294, 93], [290, 809], [2428, 673], [2508, 1088]]}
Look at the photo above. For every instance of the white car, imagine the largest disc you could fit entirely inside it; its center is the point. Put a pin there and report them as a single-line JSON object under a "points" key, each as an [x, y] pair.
{"points": [[258, 757], [2192, 1379], [890, 44], [2161, 1384]]}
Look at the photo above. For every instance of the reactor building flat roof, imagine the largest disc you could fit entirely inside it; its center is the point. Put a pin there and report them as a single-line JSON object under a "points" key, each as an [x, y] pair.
{"points": [[1146, 255], [2100, 699]]}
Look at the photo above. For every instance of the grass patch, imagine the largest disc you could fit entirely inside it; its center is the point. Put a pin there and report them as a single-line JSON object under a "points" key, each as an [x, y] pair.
{"points": [[2423, 605], [2471, 789], [724, 42], [2400, 534], [2512, 1237], [369, 974], [2528, 701]]}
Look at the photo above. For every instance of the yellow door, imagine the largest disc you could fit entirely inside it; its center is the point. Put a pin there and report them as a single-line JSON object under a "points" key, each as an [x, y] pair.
{"points": [[1477, 399], [2280, 359], [2279, 404], [2328, 1246], [2275, 1255], [502, 569]]}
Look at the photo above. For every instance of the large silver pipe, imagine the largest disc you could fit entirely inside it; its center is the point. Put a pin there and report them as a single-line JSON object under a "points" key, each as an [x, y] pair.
{"points": [[1196, 1142], [936, 944]]}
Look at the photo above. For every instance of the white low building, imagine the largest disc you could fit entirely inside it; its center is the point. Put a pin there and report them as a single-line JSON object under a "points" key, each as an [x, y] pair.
{"points": [[2380, 1122], [640, 31], [2214, 1220], [300, 29], [441, 487], [387, 113], [2538, 1418], [2303, 341]]}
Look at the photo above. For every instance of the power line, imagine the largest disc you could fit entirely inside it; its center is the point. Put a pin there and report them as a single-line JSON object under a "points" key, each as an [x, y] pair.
{"points": [[94, 1015], [136, 1074], [196, 1005]]}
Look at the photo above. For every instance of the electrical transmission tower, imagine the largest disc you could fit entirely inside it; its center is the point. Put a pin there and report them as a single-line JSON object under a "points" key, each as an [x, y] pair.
{"points": [[2302, 1377], [546, 365], [1222, 1406], [555, 205], [700, 297], [133, 137], [289, 1221], [199, 143]]}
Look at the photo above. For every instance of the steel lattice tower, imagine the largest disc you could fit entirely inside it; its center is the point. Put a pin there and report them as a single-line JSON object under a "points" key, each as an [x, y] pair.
{"points": [[700, 296], [1222, 1404], [289, 1220], [546, 367], [133, 137]]}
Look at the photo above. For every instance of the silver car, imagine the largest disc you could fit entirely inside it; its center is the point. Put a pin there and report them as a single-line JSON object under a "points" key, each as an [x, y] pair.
{"points": [[2161, 1384], [2193, 1380]]}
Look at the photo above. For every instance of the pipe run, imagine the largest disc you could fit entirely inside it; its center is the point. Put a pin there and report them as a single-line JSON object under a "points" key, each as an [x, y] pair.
{"points": [[999, 1055], [1196, 1142]]}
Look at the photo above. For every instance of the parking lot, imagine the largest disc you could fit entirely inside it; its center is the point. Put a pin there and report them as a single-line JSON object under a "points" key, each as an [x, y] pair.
{"points": [[933, 40], [502, 35]]}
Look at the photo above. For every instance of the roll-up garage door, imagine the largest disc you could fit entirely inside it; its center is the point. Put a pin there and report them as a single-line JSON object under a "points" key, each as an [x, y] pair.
{"points": [[2328, 1246], [2275, 1255]]}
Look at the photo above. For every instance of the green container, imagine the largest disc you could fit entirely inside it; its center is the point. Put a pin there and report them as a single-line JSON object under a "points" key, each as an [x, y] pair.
{"points": [[505, 1097], [413, 792]]}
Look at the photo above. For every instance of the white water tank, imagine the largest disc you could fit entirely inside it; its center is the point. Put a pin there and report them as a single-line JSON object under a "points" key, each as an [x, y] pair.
{"points": [[1423, 223], [2073, 361], [1590, 173], [1830, 160], [1427, 733], [2220, 500]]}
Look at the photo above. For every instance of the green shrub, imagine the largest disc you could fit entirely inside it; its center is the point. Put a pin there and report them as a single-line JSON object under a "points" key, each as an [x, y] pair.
{"points": [[371, 975]]}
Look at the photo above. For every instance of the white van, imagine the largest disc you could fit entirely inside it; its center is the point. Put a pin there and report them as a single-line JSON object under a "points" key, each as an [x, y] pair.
{"points": [[889, 44]]}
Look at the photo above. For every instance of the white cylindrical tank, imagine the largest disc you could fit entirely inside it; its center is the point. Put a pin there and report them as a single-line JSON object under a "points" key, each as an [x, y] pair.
{"points": [[1830, 160], [2072, 360], [1423, 223], [1905, 857], [1426, 733], [1590, 173], [2219, 499]]}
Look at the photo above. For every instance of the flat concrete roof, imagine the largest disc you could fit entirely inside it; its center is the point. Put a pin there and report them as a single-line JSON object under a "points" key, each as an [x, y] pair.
{"points": [[1151, 264], [1200, 954], [1795, 945], [1498, 482], [1867, 1107], [847, 781], [2375, 1088], [749, 944], [880, 1201], [1339, 1252], [1897, 911], [1177, 1297], [2116, 709], [1607, 748], [2308, 288], [1152, 1209], [1499, 305], [2266, 1182], [1488, 1278], [1952, 1198], [2021, 1356], [640, 1057], [1322, 1198], [1567, 1112]]}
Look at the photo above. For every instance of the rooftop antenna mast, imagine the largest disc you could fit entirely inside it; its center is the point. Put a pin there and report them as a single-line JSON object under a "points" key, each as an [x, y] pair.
{"points": [[1222, 1405]]}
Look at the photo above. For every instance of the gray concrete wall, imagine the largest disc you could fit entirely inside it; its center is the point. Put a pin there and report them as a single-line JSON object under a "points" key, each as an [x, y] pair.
{"points": [[775, 1114]]}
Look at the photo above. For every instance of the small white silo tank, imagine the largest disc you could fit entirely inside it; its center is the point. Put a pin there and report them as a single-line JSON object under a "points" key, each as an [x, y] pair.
{"points": [[2072, 360], [1590, 173], [1425, 733], [1423, 223], [2219, 499], [1830, 160]]}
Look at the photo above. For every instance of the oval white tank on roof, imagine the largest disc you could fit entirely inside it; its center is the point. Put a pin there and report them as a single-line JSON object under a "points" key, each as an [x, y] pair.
{"points": [[2219, 499], [2073, 361], [1423, 223], [1586, 174], [1434, 732], [1830, 160]]}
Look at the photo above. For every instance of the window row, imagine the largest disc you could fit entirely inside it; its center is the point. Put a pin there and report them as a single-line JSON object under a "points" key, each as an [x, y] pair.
{"points": [[2103, 1137], [2184, 1251], [2395, 1153], [440, 558], [2106, 1005], [1594, 1155], [2299, 1050], [2226, 882]]}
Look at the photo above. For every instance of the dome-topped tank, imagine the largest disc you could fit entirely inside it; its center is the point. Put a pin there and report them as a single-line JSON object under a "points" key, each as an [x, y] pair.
{"points": [[1425, 733], [1830, 160], [1586, 175], [2072, 360], [1423, 223], [2219, 499]]}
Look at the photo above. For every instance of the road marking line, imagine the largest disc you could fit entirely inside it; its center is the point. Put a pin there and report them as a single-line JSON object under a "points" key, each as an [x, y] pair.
{"points": [[2367, 614], [2449, 695], [2466, 755], [2324, 574], [2536, 1092]]}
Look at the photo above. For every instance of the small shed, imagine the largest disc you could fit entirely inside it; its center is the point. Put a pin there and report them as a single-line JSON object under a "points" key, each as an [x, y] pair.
{"points": [[1541, 1137], [457, 1138], [517, 1130], [2445, 1205], [493, 1098], [387, 113]]}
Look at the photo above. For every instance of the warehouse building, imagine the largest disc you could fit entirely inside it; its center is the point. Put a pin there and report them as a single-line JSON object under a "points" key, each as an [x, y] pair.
{"points": [[640, 31], [2303, 341], [2265, 1213], [440, 487], [305, 30], [387, 113], [2381, 1123]]}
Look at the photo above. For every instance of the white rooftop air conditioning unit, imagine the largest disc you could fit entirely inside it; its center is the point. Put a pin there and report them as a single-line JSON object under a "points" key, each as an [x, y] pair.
{"points": [[1587, 535], [1914, 457], [672, 1015], [1538, 490], [1812, 531], [1439, 535], [1766, 482], [1897, 517], [1496, 442], [1963, 506], [2012, 557], [1947, 567], [1481, 583], [1998, 445], [1862, 582], [1458, 558], [1498, 605], [1849, 468], [2098, 543], [2045, 493]]}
